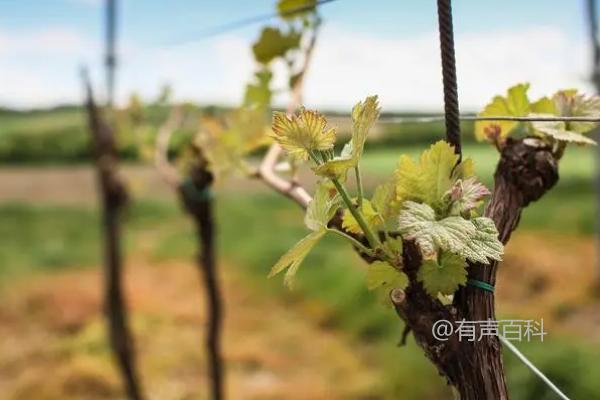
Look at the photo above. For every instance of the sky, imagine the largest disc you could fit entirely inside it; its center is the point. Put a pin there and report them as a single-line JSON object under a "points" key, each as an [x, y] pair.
{"points": [[385, 47]]}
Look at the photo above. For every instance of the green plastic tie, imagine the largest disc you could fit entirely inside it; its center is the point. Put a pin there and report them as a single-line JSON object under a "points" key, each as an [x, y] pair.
{"points": [[481, 285], [196, 194]]}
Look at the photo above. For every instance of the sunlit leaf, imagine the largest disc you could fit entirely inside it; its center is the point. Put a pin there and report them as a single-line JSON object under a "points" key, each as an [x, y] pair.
{"points": [[364, 116], [464, 170], [544, 106], [430, 180], [408, 180], [384, 201], [301, 134], [436, 169], [516, 103]]}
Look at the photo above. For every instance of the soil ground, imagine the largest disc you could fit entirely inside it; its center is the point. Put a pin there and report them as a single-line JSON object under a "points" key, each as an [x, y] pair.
{"points": [[53, 343]]}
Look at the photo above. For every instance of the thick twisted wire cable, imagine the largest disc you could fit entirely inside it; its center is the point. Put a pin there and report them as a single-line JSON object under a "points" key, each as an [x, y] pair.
{"points": [[451, 110]]}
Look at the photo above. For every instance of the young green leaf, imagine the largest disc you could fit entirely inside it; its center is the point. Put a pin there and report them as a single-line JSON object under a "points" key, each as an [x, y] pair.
{"points": [[417, 222], [338, 167], [466, 195], [294, 257], [558, 130], [453, 234], [408, 179], [544, 106], [436, 165], [516, 103], [485, 244], [302, 134], [384, 202], [382, 275], [445, 277], [286, 8], [322, 207], [364, 116], [569, 103], [430, 180], [464, 170]]}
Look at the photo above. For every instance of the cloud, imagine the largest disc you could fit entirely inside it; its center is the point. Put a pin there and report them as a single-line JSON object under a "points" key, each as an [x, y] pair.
{"points": [[40, 67], [208, 71], [406, 73], [55, 40]]}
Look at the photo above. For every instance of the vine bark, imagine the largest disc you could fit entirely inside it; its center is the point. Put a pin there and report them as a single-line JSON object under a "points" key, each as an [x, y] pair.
{"points": [[527, 169], [196, 197], [113, 195]]}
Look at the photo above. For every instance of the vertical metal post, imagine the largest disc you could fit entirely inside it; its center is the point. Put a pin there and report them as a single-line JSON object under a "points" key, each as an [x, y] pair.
{"points": [[593, 26], [110, 57], [113, 196]]}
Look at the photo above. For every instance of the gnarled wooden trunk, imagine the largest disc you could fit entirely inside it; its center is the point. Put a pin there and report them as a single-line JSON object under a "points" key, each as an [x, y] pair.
{"points": [[527, 169]]}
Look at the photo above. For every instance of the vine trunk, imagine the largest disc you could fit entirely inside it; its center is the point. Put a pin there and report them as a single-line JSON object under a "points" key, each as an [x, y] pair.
{"points": [[527, 169]]}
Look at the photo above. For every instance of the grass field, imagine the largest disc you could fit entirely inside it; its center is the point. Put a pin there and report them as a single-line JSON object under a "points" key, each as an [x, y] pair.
{"points": [[59, 136], [330, 293]]}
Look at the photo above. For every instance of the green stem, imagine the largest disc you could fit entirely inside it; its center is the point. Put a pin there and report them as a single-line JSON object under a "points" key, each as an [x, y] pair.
{"points": [[359, 186], [371, 237], [355, 242], [313, 157]]}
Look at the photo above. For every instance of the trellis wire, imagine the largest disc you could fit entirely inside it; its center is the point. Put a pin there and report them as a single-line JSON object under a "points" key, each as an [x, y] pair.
{"points": [[220, 29], [438, 118], [532, 367]]}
